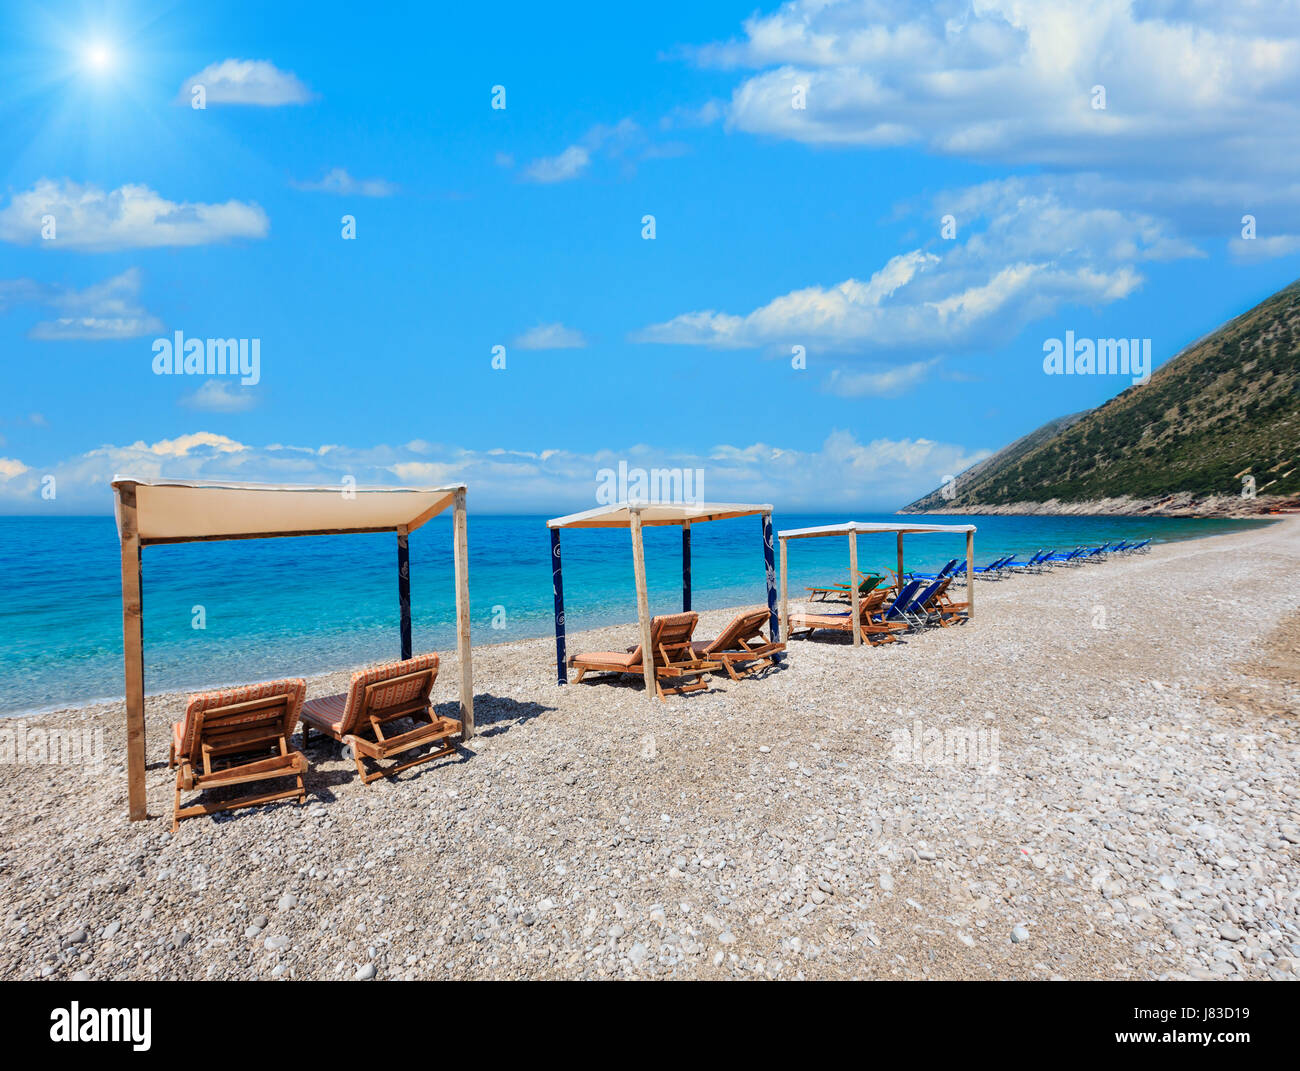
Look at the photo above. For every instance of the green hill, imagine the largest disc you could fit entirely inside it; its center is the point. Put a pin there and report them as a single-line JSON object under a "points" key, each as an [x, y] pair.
{"points": [[1226, 407]]}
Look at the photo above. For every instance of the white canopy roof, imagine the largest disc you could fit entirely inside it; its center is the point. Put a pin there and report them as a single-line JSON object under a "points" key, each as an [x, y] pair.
{"points": [[619, 514], [866, 527], [178, 511]]}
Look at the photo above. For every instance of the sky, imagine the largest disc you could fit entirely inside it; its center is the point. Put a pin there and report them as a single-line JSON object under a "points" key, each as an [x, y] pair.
{"points": [[813, 251]]}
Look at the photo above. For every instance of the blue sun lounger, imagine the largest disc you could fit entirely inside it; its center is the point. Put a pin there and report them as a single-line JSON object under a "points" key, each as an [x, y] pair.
{"points": [[1068, 558], [1037, 562], [992, 571], [945, 571], [1024, 566], [917, 612], [897, 611]]}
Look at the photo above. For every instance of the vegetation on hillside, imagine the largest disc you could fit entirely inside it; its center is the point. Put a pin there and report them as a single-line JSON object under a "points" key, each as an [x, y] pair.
{"points": [[1226, 407]]}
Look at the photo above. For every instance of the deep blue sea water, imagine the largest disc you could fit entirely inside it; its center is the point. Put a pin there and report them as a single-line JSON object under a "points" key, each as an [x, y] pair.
{"points": [[293, 607]]}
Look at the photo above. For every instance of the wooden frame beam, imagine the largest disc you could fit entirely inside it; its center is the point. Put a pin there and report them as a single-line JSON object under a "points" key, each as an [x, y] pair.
{"points": [[168, 540], [970, 576], [785, 600], [460, 546], [133, 652], [855, 604], [642, 604]]}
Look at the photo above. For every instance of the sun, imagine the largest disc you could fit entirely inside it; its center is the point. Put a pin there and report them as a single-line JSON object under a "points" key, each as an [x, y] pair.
{"points": [[99, 57]]}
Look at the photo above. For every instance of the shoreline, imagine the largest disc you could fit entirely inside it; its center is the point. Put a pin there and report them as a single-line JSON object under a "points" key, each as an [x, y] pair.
{"points": [[184, 690], [1182, 505]]}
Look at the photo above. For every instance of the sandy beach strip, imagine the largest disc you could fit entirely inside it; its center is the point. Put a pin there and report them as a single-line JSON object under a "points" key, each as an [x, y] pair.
{"points": [[1137, 815]]}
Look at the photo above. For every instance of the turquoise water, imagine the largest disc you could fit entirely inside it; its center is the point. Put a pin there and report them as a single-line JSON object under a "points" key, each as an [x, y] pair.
{"points": [[292, 607]]}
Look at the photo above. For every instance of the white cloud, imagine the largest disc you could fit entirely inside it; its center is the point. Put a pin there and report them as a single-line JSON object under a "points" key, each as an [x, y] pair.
{"points": [[1020, 254], [337, 180], [1253, 249], [1010, 81], [1200, 126], [569, 164], [838, 472], [884, 384], [610, 140], [219, 396], [425, 473], [102, 312], [235, 81], [11, 468], [184, 446], [550, 337], [130, 217], [706, 114], [92, 329]]}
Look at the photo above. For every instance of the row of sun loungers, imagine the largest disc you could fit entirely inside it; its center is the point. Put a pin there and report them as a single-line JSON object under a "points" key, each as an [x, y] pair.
{"points": [[739, 650], [883, 619], [1040, 562], [1046, 559], [241, 735], [916, 600], [866, 585]]}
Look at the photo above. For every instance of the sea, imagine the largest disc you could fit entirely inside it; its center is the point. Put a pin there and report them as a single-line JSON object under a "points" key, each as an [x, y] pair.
{"points": [[224, 613]]}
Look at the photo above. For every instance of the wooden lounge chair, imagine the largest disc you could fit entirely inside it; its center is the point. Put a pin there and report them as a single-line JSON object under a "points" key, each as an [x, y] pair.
{"points": [[741, 642], [875, 629], [868, 583], [375, 697], [949, 610], [233, 737], [941, 608], [674, 657]]}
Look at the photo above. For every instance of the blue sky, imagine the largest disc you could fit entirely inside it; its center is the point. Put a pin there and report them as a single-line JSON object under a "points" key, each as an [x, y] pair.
{"points": [[775, 226]]}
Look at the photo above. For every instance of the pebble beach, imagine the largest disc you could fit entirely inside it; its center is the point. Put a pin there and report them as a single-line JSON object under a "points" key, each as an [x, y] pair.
{"points": [[1130, 811]]}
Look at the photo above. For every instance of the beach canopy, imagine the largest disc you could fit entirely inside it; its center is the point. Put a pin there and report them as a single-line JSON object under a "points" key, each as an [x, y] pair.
{"points": [[619, 515], [853, 529], [870, 527], [178, 511], [153, 511], [635, 516]]}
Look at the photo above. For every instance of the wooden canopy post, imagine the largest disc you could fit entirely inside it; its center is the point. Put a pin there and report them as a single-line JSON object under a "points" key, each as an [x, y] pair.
{"points": [[557, 590], [642, 601], [133, 650], [970, 575], [855, 607], [686, 566], [900, 557], [460, 546], [404, 589], [769, 573], [785, 601]]}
